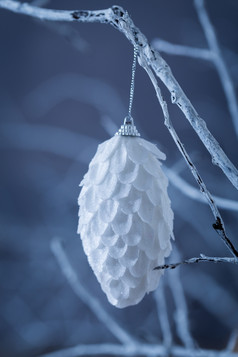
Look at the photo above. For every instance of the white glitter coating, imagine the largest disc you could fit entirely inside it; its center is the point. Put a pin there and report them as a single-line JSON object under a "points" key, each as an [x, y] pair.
{"points": [[125, 218]]}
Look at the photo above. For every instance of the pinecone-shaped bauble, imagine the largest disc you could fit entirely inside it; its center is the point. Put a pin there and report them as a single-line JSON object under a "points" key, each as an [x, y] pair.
{"points": [[125, 218]]}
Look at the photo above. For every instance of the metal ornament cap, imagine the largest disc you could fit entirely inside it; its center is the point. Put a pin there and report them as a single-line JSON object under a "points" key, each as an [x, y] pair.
{"points": [[128, 128]]}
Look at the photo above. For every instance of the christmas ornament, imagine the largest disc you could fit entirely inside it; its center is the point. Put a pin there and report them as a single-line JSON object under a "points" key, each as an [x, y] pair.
{"points": [[125, 218]]}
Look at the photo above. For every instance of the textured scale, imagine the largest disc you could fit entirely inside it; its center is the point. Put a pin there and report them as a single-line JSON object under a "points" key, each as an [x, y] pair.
{"points": [[125, 218]]}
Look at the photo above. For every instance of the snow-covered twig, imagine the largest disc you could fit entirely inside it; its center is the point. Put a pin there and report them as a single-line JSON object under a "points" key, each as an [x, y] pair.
{"points": [[119, 18], [202, 258], [218, 61], [212, 56], [218, 225], [122, 335]]}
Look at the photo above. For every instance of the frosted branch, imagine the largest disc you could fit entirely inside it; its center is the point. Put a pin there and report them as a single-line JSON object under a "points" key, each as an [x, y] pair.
{"points": [[213, 55], [232, 341], [119, 18], [202, 258], [218, 61], [56, 15], [188, 190], [180, 50], [70, 35], [181, 312], [162, 314], [86, 297], [218, 225], [105, 349]]}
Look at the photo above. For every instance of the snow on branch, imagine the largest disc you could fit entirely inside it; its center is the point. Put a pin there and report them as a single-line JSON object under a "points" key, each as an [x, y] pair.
{"points": [[213, 55], [219, 224], [119, 18], [202, 258]]}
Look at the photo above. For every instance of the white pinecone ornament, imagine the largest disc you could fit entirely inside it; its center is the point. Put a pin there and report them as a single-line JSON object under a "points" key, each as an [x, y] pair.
{"points": [[125, 217]]}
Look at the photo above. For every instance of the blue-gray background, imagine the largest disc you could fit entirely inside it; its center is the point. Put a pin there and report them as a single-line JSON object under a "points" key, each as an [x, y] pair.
{"points": [[63, 88]]}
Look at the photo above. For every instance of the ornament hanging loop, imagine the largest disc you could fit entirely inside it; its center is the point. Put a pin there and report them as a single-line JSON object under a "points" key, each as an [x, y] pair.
{"points": [[132, 87], [128, 128]]}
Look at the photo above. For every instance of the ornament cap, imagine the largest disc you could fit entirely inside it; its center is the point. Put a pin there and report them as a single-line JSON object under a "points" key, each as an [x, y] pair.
{"points": [[128, 128]]}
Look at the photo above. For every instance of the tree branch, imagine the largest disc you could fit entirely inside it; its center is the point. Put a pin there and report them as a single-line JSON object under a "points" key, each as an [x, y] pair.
{"points": [[202, 258], [119, 18], [188, 190], [162, 315], [181, 308], [218, 61], [181, 50], [218, 225], [232, 343], [150, 350]]}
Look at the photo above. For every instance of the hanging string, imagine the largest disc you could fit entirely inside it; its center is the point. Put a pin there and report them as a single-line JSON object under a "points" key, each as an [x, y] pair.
{"points": [[132, 88], [128, 128]]}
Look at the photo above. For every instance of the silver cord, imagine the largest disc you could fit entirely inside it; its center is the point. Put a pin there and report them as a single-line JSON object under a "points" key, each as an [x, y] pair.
{"points": [[128, 128], [132, 88]]}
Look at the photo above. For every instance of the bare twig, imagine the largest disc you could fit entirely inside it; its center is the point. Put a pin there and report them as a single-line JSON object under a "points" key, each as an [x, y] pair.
{"points": [[202, 258], [218, 61], [122, 335], [119, 18], [218, 225]]}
